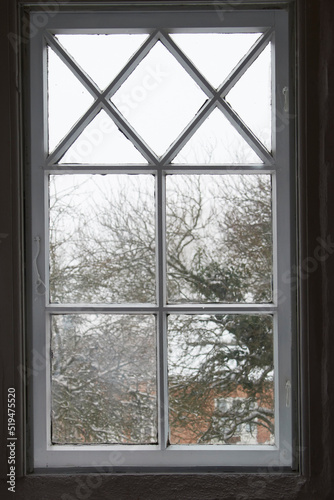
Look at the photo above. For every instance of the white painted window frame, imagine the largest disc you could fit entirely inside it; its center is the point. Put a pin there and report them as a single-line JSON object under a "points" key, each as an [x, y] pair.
{"points": [[274, 25]]}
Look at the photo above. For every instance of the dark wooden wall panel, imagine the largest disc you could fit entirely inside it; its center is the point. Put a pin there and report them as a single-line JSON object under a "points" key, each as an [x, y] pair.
{"points": [[315, 26]]}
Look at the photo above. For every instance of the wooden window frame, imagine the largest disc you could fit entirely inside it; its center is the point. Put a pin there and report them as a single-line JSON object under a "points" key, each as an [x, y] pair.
{"points": [[273, 24]]}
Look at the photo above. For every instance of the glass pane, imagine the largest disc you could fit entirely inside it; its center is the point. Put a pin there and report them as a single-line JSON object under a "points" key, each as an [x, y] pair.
{"points": [[103, 379], [216, 141], [68, 99], [215, 54], [221, 379], [102, 238], [102, 56], [102, 142], [159, 98], [251, 97], [219, 238]]}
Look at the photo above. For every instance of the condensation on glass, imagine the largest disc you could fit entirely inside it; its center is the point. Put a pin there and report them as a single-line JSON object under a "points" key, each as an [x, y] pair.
{"points": [[103, 379]]}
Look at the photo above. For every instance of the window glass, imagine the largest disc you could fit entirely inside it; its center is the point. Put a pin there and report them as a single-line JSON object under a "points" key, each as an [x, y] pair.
{"points": [[224, 358], [102, 239], [219, 238], [159, 98], [103, 379]]}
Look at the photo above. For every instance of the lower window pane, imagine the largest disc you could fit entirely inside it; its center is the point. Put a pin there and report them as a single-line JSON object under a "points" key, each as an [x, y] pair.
{"points": [[219, 238], [220, 379], [103, 379]]}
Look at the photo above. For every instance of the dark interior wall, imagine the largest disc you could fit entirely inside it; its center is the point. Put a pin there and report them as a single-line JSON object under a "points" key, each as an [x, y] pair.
{"points": [[315, 57], [322, 339], [10, 227]]}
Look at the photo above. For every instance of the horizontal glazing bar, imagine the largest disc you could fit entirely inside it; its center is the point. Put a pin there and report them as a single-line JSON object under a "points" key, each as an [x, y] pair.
{"points": [[152, 309], [220, 169], [74, 168], [128, 168]]}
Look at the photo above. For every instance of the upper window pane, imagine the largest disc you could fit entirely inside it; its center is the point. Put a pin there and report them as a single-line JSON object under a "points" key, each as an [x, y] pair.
{"points": [[102, 56], [67, 99], [251, 97], [159, 99], [215, 54], [102, 239], [102, 142], [216, 141], [219, 238]]}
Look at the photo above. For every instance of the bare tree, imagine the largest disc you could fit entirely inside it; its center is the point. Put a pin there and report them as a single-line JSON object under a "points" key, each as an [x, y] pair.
{"points": [[219, 249]]}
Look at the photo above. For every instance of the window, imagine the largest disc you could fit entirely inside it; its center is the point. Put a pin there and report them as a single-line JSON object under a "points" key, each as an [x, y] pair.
{"points": [[160, 225]]}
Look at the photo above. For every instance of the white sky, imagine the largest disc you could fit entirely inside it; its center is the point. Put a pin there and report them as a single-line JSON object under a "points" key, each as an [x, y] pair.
{"points": [[159, 98]]}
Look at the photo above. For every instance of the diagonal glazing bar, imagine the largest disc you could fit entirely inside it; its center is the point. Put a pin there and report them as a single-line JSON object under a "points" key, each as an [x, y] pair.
{"points": [[130, 133], [187, 65], [121, 77], [245, 63], [74, 133], [233, 118], [133, 62], [117, 117], [245, 132], [85, 79], [187, 133]]}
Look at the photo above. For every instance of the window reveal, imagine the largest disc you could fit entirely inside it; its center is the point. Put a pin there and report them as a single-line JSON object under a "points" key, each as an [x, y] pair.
{"points": [[163, 244]]}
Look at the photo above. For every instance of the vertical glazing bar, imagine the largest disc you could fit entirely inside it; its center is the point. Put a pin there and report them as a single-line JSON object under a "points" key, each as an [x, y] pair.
{"points": [[162, 318]]}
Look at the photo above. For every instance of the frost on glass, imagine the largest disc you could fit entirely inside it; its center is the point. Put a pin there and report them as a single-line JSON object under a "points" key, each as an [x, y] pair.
{"points": [[221, 379], [215, 54], [251, 97], [102, 238], [67, 99], [103, 387], [101, 56], [219, 238], [102, 142], [216, 141], [159, 99]]}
